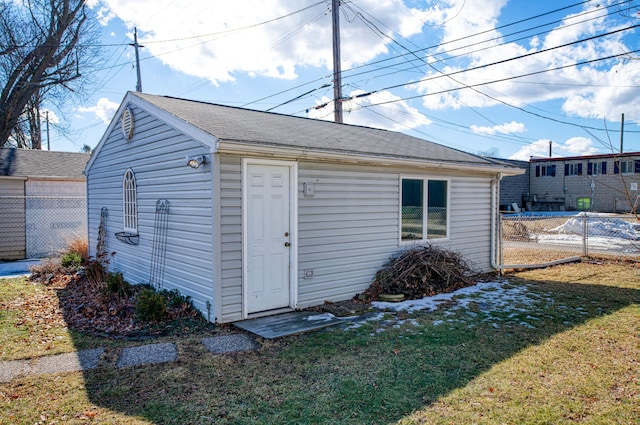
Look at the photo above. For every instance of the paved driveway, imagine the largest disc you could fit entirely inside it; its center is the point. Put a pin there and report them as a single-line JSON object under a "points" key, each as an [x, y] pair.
{"points": [[17, 268]]}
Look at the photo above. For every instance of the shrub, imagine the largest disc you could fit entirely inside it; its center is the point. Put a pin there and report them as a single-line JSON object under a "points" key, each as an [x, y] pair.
{"points": [[96, 273], [151, 306], [71, 259], [80, 247], [176, 299], [116, 285]]}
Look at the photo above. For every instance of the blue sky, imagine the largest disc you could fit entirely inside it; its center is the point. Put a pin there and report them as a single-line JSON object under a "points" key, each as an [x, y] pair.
{"points": [[477, 75]]}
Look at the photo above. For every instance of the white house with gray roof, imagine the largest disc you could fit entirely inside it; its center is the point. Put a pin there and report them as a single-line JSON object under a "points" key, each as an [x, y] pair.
{"points": [[253, 213]]}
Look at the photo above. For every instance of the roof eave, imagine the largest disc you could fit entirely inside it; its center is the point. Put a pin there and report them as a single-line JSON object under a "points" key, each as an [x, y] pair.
{"points": [[23, 178], [240, 148]]}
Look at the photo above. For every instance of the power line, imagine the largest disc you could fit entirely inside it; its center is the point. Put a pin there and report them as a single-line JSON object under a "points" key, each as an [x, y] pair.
{"points": [[515, 58], [519, 76], [440, 45], [413, 53]]}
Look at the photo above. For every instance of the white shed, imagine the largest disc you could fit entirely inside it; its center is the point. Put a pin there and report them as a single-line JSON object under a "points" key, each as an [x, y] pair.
{"points": [[253, 213]]}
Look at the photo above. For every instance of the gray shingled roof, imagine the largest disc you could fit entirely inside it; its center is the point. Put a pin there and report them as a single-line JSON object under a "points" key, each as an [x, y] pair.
{"points": [[38, 163], [233, 124]]}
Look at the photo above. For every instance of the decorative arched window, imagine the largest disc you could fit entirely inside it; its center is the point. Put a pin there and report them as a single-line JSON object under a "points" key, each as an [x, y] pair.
{"points": [[130, 202]]}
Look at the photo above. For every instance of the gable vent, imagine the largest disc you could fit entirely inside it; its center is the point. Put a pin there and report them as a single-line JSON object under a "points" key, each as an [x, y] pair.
{"points": [[127, 123]]}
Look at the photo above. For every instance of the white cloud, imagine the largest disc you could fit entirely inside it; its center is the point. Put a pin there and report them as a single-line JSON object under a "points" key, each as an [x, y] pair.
{"points": [[575, 146], [388, 111], [507, 128], [461, 18], [598, 90], [103, 110], [104, 15], [216, 40], [578, 146]]}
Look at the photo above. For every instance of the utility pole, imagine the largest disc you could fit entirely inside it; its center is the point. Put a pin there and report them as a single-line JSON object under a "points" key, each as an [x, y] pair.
{"points": [[46, 115], [136, 46], [621, 133], [550, 144], [337, 72]]}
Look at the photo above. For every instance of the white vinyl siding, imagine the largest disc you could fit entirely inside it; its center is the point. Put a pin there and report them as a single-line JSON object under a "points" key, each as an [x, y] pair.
{"points": [[161, 173], [231, 238], [351, 226], [470, 221], [347, 229]]}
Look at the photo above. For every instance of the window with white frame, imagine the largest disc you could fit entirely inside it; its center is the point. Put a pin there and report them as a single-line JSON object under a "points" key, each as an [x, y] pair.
{"points": [[130, 202], [420, 195]]}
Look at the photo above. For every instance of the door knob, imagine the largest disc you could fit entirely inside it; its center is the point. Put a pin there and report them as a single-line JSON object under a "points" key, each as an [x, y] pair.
{"points": [[287, 244]]}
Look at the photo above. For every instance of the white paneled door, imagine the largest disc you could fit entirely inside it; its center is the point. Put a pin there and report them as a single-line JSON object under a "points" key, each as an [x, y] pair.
{"points": [[268, 238]]}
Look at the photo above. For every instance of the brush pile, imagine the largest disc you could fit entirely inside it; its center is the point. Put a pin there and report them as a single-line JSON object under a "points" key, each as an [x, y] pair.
{"points": [[422, 272]]}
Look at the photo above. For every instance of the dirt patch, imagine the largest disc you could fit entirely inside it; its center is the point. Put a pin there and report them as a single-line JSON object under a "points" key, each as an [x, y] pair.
{"points": [[345, 308]]}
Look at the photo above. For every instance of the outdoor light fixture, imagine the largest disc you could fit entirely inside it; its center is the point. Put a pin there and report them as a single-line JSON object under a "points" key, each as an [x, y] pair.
{"points": [[196, 161]]}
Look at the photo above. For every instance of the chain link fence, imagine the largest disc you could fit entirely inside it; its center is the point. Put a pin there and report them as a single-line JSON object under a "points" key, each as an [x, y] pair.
{"points": [[536, 240], [40, 226]]}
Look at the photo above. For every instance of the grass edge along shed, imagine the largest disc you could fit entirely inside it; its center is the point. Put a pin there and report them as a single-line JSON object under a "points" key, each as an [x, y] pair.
{"points": [[266, 212]]}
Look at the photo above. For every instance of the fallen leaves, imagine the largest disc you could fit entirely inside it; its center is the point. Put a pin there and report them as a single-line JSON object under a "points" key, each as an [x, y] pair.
{"points": [[66, 300]]}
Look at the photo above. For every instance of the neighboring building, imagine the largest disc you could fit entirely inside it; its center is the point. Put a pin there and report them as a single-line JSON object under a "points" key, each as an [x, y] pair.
{"points": [[42, 202], [600, 183], [513, 189], [252, 213]]}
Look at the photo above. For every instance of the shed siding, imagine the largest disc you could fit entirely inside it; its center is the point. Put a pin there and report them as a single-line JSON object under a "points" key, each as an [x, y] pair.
{"points": [[346, 230], [161, 173], [13, 219], [471, 220], [231, 238], [350, 227]]}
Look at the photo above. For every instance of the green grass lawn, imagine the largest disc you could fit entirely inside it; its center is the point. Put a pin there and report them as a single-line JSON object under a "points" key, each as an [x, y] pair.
{"points": [[564, 352]]}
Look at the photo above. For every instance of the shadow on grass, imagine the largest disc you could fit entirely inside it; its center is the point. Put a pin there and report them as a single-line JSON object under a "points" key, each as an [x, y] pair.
{"points": [[375, 374]]}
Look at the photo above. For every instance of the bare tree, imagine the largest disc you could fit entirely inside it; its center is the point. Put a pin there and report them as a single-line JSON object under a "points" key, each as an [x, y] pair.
{"points": [[41, 55]]}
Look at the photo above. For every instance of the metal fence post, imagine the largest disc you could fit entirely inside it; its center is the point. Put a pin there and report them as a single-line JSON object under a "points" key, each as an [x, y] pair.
{"points": [[585, 238], [500, 242]]}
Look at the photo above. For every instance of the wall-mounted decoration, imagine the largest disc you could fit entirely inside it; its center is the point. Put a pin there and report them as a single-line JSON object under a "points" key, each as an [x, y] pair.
{"points": [[127, 123]]}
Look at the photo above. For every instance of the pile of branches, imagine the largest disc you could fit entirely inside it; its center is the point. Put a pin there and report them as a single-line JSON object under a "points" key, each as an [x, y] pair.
{"points": [[422, 272]]}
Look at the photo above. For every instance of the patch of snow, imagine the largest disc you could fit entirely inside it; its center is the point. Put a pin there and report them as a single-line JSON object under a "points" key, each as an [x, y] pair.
{"points": [[611, 228], [514, 303], [320, 317], [361, 320], [595, 242]]}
